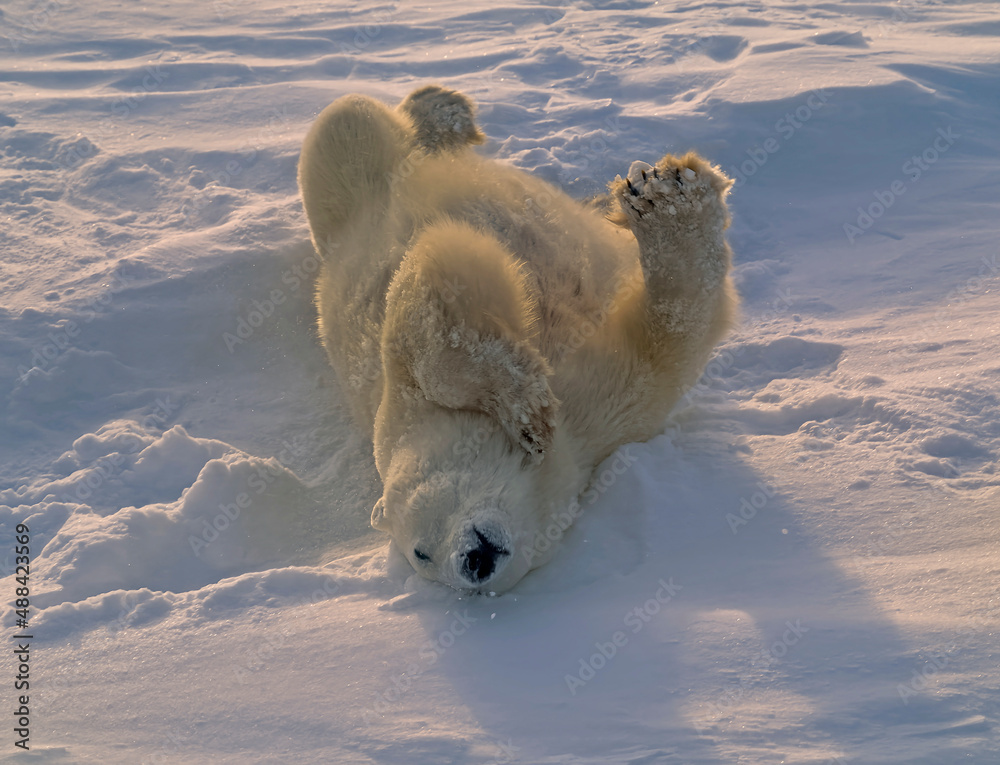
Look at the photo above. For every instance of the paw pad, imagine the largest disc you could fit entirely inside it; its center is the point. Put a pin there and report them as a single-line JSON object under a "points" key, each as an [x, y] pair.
{"points": [[673, 187]]}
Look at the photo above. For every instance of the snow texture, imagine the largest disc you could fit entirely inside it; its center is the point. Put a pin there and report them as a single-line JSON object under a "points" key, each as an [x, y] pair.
{"points": [[801, 568]]}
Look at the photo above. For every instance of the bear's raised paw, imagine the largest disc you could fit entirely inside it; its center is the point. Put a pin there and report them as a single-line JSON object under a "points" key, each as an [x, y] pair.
{"points": [[675, 192], [444, 120]]}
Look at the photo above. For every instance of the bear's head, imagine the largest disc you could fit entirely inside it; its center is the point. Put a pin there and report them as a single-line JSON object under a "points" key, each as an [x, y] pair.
{"points": [[465, 504], [466, 439]]}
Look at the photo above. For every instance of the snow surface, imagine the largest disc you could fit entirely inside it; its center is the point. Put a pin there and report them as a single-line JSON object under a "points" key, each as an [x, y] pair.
{"points": [[802, 568]]}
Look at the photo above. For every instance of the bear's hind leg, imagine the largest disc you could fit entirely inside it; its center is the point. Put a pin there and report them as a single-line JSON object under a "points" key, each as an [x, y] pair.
{"points": [[444, 120], [347, 167]]}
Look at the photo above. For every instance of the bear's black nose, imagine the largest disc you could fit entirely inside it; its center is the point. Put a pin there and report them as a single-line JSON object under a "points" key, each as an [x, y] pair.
{"points": [[480, 563]]}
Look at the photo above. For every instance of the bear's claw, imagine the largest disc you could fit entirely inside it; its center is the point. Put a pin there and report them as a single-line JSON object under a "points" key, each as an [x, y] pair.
{"points": [[675, 187]]}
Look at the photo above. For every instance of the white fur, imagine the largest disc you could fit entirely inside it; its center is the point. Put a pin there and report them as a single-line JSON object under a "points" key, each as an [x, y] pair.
{"points": [[496, 338]]}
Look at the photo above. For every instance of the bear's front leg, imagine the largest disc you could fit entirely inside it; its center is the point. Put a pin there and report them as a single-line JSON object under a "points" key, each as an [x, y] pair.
{"points": [[678, 214], [459, 332]]}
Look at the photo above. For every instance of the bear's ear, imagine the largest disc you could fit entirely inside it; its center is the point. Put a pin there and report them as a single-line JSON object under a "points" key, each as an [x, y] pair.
{"points": [[460, 318], [379, 520]]}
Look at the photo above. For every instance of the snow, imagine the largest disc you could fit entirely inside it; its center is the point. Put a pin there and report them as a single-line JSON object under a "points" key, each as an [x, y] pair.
{"points": [[802, 568]]}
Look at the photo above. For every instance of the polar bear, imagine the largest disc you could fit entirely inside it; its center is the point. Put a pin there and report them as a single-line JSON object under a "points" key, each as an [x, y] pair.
{"points": [[497, 339]]}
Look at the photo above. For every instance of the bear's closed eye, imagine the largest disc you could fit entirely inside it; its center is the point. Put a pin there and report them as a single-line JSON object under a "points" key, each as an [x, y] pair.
{"points": [[420, 555]]}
